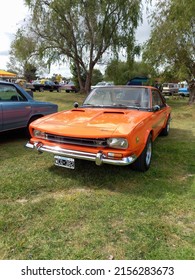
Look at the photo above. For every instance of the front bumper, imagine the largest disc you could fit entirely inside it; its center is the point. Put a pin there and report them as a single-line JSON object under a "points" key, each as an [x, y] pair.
{"points": [[99, 158]]}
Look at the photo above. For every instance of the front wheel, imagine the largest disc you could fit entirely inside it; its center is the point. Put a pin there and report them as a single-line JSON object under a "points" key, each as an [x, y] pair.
{"points": [[143, 162], [41, 89]]}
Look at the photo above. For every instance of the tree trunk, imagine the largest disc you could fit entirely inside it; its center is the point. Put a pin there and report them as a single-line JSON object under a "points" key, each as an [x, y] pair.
{"points": [[192, 92], [81, 86], [88, 80]]}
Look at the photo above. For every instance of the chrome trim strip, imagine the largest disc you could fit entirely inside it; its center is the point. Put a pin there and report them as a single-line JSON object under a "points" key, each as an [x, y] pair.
{"points": [[98, 158]]}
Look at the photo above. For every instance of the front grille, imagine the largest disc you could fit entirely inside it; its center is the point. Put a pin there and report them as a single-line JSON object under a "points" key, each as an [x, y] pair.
{"points": [[92, 142]]}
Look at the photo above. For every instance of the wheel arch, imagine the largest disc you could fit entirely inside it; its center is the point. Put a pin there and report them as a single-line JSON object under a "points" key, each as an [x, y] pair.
{"points": [[33, 118], [149, 132]]}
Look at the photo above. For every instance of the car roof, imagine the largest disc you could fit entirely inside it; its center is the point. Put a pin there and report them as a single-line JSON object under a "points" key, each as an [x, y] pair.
{"points": [[5, 82]]}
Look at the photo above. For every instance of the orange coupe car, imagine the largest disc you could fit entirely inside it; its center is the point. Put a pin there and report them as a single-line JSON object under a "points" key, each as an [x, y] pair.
{"points": [[115, 125]]}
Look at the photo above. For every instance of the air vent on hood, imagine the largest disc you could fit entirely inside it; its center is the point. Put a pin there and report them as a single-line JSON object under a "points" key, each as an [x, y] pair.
{"points": [[77, 110]]}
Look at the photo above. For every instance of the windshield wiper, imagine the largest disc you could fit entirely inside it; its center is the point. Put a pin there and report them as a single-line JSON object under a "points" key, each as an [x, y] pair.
{"points": [[89, 105], [125, 106], [120, 105]]}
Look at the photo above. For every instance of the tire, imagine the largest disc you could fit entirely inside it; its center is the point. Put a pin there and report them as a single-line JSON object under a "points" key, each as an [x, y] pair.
{"points": [[166, 130], [143, 162]]}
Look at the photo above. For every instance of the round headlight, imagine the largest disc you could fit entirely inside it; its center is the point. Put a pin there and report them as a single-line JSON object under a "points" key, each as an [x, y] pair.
{"points": [[117, 143], [38, 133]]}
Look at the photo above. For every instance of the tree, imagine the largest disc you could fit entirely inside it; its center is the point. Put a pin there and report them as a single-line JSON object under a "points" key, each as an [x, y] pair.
{"points": [[118, 72], [83, 31], [29, 72], [172, 42], [77, 78], [23, 59], [96, 77], [121, 72]]}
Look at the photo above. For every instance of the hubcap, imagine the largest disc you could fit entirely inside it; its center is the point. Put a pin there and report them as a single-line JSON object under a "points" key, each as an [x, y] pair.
{"points": [[168, 126], [148, 153]]}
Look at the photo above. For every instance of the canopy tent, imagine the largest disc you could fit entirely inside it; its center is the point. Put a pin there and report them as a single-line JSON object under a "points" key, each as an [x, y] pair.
{"points": [[138, 81], [7, 74]]}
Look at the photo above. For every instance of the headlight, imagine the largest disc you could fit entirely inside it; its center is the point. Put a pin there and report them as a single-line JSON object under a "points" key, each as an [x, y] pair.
{"points": [[117, 143], [39, 134]]}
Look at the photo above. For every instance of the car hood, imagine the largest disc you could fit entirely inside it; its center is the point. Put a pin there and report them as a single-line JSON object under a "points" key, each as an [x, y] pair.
{"points": [[87, 122]]}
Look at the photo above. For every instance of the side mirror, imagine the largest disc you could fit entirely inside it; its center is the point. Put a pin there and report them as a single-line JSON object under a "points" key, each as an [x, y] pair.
{"points": [[156, 108], [76, 104]]}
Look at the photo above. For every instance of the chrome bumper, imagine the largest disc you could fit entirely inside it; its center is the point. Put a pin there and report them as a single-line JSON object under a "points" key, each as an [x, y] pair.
{"points": [[99, 158]]}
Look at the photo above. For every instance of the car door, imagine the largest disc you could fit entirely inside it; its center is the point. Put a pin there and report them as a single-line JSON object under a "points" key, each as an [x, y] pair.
{"points": [[159, 112], [15, 108]]}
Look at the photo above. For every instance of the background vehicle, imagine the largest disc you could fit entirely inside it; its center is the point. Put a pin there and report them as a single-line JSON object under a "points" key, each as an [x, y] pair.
{"points": [[170, 88], [103, 84], [115, 125], [18, 109], [46, 85], [183, 89], [184, 92], [69, 87]]}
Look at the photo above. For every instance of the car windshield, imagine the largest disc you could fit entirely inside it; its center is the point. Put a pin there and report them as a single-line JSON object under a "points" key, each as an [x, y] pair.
{"points": [[126, 97]]}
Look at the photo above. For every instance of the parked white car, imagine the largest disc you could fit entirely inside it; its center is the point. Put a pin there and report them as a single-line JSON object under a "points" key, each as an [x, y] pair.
{"points": [[102, 84], [170, 88]]}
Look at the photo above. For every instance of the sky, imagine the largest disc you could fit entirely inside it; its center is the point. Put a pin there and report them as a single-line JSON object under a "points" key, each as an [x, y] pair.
{"points": [[12, 14]]}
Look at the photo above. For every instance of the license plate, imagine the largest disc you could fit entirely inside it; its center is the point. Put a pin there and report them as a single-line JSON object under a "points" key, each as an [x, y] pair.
{"points": [[65, 162]]}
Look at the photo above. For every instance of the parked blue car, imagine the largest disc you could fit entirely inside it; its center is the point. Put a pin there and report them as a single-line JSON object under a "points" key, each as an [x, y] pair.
{"points": [[184, 91], [18, 108]]}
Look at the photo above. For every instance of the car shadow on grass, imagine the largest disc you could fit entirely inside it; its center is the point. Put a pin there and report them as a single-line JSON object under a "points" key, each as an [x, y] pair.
{"points": [[14, 135], [12, 145]]}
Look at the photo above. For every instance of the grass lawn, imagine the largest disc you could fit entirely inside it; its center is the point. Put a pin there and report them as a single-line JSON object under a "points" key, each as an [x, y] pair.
{"points": [[92, 212]]}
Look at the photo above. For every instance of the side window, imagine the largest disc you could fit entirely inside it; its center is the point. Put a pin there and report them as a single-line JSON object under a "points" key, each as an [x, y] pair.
{"points": [[156, 99], [9, 93]]}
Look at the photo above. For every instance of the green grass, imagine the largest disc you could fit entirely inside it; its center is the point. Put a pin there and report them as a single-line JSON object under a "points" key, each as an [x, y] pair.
{"points": [[93, 212]]}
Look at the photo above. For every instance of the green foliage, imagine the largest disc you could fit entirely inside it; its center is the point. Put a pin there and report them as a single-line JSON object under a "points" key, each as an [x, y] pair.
{"points": [[82, 31], [121, 72], [96, 76], [30, 72], [23, 57], [23, 46], [171, 44], [118, 72]]}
